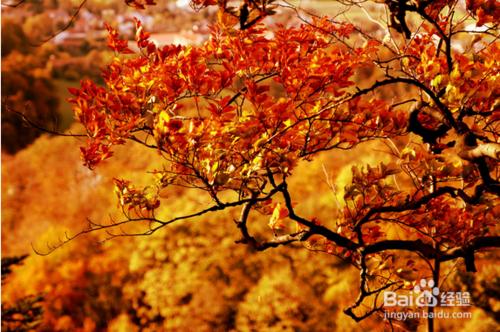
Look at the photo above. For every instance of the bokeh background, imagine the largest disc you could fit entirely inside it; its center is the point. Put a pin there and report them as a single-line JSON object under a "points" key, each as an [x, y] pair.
{"points": [[191, 276]]}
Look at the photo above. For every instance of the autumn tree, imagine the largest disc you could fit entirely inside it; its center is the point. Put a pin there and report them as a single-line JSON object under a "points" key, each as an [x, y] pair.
{"points": [[25, 314], [233, 117], [27, 88]]}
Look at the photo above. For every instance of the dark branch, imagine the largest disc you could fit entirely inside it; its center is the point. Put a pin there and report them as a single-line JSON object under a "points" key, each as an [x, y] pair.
{"points": [[313, 227], [467, 252], [64, 28], [442, 107], [428, 135], [413, 205], [40, 127], [283, 240]]}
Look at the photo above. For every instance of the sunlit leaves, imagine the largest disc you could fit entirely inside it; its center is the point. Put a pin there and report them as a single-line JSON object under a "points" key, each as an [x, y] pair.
{"points": [[132, 198], [278, 130], [279, 213], [116, 43], [486, 11], [234, 116]]}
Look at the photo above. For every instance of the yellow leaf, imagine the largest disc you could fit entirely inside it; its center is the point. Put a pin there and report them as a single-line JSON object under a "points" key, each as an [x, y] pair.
{"points": [[137, 74], [408, 151], [161, 125], [452, 93], [215, 166], [455, 74], [279, 213], [316, 107], [405, 61], [260, 142], [436, 81]]}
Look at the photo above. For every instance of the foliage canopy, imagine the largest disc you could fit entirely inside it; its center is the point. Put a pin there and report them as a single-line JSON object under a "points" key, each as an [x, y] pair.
{"points": [[233, 117]]}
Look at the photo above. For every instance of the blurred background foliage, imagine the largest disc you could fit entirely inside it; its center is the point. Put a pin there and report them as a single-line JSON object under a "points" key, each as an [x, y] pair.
{"points": [[190, 276]]}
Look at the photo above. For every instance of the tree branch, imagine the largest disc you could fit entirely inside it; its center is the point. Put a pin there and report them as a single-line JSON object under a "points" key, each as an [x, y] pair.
{"points": [[284, 240], [467, 252], [442, 107], [315, 228], [65, 27], [40, 127], [413, 205], [365, 292], [419, 246]]}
